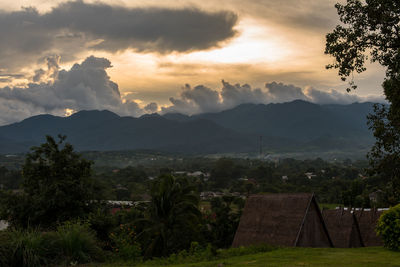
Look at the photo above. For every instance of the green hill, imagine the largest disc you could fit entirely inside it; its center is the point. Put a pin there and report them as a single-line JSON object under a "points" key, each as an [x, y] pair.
{"points": [[296, 126]]}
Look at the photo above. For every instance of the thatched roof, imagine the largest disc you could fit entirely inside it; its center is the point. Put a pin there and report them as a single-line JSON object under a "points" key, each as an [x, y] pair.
{"points": [[283, 220], [367, 220], [343, 228]]}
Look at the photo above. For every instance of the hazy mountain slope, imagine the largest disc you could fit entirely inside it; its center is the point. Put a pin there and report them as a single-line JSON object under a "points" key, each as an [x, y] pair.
{"points": [[298, 124], [295, 126], [297, 120], [103, 130]]}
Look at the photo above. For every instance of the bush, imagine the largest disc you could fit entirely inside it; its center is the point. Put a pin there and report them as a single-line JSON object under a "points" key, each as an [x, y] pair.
{"points": [[102, 222], [389, 228], [124, 243], [71, 243], [76, 243], [24, 248]]}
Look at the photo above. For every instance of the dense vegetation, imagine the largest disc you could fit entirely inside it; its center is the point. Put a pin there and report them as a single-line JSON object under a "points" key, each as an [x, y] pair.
{"points": [[57, 194], [57, 187], [348, 181], [345, 183]]}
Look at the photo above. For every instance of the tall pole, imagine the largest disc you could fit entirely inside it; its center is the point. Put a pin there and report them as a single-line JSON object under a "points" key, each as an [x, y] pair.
{"points": [[260, 146]]}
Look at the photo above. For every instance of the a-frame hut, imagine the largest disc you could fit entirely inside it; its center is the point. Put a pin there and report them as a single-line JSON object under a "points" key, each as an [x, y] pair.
{"points": [[343, 228], [367, 220], [292, 220]]}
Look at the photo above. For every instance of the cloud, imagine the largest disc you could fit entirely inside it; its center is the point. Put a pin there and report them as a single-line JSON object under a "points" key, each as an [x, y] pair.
{"points": [[13, 110], [201, 99], [52, 70], [279, 92], [5, 80], [6, 77], [85, 86], [145, 29], [75, 26], [151, 107], [204, 98], [303, 15], [233, 95], [335, 97]]}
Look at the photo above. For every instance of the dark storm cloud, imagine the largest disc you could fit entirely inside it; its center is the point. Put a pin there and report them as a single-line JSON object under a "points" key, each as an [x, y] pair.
{"points": [[73, 27], [149, 29]]}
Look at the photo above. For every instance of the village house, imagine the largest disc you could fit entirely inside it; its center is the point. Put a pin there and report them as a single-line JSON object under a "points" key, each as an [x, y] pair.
{"points": [[343, 228], [292, 220]]}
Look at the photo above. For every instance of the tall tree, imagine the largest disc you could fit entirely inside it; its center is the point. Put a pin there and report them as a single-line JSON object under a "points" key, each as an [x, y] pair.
{"points": [[371, 31], [173, 217], [56, 187], [224, 223]]}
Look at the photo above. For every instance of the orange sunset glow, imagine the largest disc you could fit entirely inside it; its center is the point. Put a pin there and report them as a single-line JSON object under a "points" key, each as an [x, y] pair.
{"points": [[251, 42]]}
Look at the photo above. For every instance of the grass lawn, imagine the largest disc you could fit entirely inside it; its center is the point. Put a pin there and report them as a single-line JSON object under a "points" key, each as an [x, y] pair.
{"points": [[371, 256]]}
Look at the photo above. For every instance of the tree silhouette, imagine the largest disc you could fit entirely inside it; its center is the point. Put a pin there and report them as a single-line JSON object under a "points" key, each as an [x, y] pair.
{"points": [[172, 219], [371, 31], [57, 187]]}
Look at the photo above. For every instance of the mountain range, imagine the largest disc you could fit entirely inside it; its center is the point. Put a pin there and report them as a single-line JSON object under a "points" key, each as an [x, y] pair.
{"points": [[292, 126]]}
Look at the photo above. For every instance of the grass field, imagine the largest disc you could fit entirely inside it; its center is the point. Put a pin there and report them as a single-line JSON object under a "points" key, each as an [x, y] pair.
{"points": [[372, 256]]}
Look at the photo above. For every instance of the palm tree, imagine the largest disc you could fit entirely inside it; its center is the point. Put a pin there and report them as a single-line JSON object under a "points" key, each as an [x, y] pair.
{"points": [[172, 217]]}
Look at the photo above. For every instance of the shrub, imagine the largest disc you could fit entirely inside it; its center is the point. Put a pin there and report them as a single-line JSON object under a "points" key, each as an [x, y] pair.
{"points": [[76, 243], [102, 222], [222, 222], [389, 228], [124, 242], [24, 248], [71, 243]]}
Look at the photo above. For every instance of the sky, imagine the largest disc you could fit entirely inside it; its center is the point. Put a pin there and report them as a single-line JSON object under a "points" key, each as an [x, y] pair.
{"points": [[135, 57]]}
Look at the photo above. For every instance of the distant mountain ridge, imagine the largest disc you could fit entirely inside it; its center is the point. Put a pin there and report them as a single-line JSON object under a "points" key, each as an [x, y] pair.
{"points": [[296, 125], [298, 119]]}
